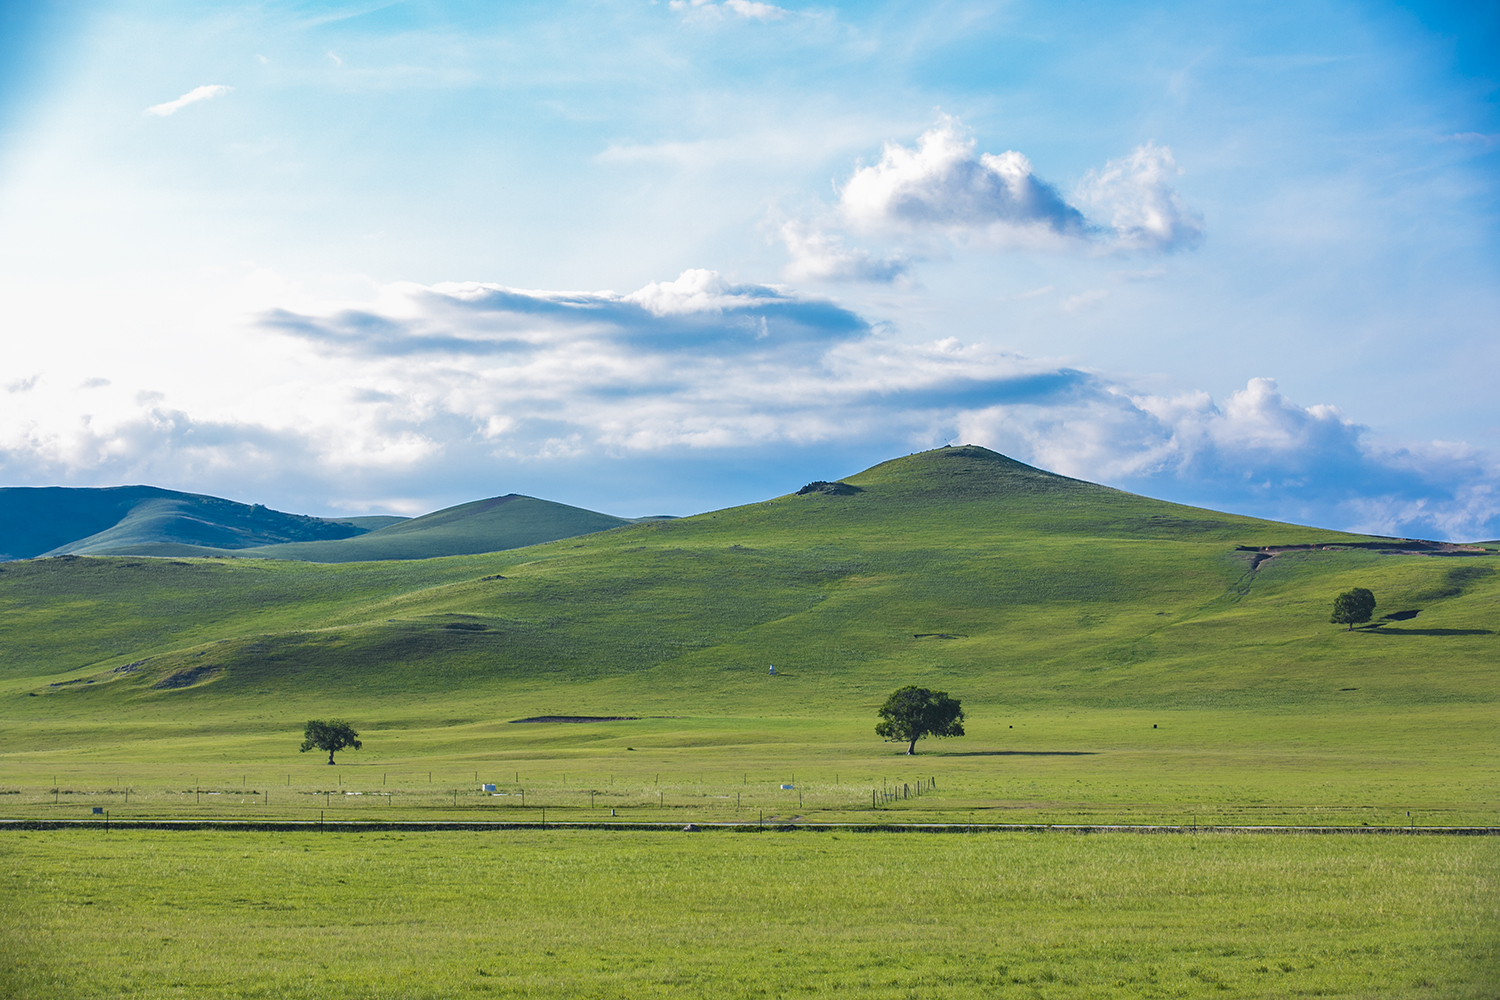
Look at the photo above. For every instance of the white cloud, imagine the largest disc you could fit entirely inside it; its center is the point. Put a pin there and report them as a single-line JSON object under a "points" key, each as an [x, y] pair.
{"points": [[698, 291], [454, 383], [1135, 195], [819, 255], [942, 184], [1256, 452], [944, 191], [743, 8], [204, 93]]}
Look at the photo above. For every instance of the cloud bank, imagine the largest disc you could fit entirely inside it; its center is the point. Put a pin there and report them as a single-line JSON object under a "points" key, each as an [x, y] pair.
{"points": [[460, 382], [193, 96]]}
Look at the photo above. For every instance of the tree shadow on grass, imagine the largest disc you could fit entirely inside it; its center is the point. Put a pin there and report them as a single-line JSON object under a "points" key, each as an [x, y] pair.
{"points": [[1013, 753], [1426, 631]]}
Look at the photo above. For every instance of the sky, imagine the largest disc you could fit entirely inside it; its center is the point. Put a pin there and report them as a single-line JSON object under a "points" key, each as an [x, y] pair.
{"points": [[667, 257]]}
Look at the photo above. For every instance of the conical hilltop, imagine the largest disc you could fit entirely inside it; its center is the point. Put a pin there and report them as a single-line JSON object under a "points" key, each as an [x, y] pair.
{"points": [[969, 472], [975, 490]]}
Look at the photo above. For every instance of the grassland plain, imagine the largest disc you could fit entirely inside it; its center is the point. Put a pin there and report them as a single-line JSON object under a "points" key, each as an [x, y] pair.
{"points": [[221, 915], [1070, 618], [1119, 659]]}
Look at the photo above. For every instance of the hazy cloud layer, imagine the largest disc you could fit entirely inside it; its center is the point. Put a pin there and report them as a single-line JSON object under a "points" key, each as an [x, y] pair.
{"points": [[944, 189], [456, 383]]}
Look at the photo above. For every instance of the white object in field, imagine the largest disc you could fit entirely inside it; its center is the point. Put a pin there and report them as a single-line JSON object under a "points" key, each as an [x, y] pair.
{"points": [[773, 670], [486, 788]]}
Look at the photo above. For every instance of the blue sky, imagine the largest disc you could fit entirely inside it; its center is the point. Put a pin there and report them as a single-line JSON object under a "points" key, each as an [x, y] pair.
{"points": [[666, 257]]}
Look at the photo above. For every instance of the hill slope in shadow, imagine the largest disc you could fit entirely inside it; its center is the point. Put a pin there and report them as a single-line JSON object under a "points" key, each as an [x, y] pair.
{"points": [[55, 520]]}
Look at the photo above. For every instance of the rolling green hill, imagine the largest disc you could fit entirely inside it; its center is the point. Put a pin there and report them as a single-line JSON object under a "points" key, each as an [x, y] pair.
{"points": [[146, 521], [1079, 615], [508, 522], [58, 520]]}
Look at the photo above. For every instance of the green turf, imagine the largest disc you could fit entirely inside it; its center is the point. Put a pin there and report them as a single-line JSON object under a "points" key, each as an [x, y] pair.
{"points": [[558, 914]]}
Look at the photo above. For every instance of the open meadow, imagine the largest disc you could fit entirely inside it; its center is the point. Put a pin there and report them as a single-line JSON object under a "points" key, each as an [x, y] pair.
{"points": [[1119, 660], [584, 914]]}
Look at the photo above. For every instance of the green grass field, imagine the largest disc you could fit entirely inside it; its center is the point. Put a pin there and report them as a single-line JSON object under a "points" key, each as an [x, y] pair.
{"points": [[1119, 660], [743, 915], [1069, 618]]}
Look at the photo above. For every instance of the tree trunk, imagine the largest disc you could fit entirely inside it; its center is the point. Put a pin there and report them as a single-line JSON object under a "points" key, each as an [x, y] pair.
{"points": [[911, 751], [330, 756]]}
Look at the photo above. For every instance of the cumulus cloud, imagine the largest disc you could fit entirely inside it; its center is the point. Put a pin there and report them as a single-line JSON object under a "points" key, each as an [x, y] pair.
{"points": [[457, 383], [204, 93], [943, 189], [1255, 452], [1135, 197], [942, 184]]}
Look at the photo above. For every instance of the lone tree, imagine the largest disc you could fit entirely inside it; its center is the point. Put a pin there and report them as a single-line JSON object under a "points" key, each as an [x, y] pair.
{"points": [[914, 712], [1353, 607], [331, 736]]}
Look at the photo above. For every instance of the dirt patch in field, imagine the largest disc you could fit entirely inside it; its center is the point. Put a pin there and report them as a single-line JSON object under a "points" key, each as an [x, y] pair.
{"points": [[829, 489], [186, 678]]}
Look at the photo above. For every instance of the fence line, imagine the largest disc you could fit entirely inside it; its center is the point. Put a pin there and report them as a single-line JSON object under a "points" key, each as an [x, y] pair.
{"points": [[372, 826]]}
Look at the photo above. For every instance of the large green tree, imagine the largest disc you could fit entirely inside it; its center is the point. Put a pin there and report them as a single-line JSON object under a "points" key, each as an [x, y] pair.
{"points": [[332, 735], [914, 712], [1353, 607]]}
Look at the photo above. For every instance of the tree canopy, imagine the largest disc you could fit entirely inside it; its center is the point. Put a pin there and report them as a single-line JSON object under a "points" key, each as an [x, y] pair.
{"points": [[914, 712], [331, 735], [1353, 607]]}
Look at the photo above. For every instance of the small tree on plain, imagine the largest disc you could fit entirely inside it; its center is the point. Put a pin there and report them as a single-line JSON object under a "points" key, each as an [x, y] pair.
{"points": [[332, 736], [914, 712], [1353, 607]]}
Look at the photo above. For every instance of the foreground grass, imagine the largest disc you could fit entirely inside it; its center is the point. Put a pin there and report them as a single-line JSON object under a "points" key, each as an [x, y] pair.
{"points": [[570, 914]]}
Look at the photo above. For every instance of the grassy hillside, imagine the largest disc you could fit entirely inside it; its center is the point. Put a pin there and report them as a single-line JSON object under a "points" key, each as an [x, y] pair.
{"points": [[59, 520], [1071, 619], [508, 522], [146, 521]]}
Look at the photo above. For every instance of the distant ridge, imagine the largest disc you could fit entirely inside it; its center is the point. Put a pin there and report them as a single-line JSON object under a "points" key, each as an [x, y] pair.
{"points": [[498, 523], [149, 521], [58, 520]]}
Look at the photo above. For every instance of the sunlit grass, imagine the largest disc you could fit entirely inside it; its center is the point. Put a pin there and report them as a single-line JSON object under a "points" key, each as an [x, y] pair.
{"points": [[740, 915]]}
